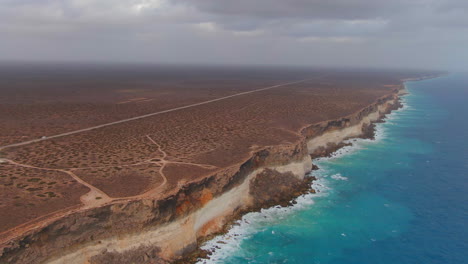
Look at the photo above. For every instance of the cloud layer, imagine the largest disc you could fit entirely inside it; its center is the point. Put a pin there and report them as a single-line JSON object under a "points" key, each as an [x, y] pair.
{"points": [[364, 33]]}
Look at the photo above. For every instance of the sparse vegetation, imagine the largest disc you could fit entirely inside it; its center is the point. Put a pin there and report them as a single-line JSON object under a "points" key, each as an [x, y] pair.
{"points": [[34, 189], [51, 194], [34, 179]]}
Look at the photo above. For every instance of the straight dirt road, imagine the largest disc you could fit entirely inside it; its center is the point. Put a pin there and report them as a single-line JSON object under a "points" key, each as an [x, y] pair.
{"points": [[146, 115]]}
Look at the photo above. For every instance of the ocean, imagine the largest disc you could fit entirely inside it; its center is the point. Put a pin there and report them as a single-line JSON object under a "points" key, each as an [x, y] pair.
{"points": [[402, 198]]}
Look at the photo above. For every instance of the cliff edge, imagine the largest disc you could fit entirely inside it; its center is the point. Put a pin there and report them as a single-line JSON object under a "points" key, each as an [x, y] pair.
{"points": [[168, 228]]}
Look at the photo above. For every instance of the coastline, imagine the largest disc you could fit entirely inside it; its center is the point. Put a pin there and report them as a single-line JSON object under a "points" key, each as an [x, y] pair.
{"points": [[170, 228], [337, 145], [380, 198]]}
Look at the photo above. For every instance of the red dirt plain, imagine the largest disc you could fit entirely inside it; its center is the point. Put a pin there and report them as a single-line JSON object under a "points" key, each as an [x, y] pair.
{"points": [[153, 155]]}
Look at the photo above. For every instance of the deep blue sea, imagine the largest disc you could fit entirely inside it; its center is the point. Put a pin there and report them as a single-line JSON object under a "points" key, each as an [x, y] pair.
{"points": [[402, 198]]}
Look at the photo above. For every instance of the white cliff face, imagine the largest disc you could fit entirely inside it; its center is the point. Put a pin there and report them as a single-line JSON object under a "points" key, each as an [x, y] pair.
{"points": [[179, 234], [239, 197], [299, 169], [339, 135]]}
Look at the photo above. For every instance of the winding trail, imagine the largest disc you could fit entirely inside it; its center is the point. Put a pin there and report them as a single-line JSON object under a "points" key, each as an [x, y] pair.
{"points": [[163, 163], [96, 197], [146, 115]]}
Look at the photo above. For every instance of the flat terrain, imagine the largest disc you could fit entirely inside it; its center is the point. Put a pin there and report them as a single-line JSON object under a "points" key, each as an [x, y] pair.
{"points": [[205, 119]]}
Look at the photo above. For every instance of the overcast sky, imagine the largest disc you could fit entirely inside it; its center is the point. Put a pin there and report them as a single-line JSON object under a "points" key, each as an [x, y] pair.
{"points": [[376, 33]]}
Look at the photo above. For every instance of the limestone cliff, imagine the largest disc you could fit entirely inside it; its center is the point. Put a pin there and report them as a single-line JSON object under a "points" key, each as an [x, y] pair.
{"points": [[163, 230]]}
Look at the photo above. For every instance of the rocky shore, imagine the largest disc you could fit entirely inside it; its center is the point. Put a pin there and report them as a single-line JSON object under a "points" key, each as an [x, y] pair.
{"points": [[171, 229]]}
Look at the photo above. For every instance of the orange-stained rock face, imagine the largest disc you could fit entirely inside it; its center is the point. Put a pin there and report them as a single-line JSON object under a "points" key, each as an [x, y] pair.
{"points": [[183, 208], [206, 196]]}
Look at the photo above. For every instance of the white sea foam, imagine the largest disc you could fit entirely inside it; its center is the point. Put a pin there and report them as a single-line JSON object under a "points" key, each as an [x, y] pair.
{"points": [[339, 177], [223, 246]]}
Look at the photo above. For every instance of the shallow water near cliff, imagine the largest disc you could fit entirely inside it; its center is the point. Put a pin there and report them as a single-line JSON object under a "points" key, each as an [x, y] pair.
{"points": [[402, 198]]}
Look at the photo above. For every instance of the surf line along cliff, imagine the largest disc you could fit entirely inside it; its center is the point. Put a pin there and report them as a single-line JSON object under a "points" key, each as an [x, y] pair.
{"points": [[164, 230]]}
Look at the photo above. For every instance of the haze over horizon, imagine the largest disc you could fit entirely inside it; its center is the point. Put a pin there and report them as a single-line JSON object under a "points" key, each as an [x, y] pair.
{"points": [[341, 33]]}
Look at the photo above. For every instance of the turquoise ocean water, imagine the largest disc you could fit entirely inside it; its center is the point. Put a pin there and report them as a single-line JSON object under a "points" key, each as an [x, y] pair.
{"points": [[402, 198]]}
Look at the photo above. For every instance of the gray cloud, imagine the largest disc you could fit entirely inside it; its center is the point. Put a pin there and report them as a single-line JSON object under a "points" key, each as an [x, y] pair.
{"points": [[417, 33], [304, 9]]}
